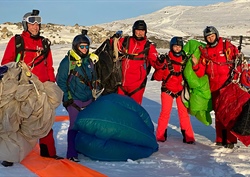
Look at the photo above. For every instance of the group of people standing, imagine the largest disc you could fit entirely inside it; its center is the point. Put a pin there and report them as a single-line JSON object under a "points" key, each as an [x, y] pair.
{"points": [[77, 78]]}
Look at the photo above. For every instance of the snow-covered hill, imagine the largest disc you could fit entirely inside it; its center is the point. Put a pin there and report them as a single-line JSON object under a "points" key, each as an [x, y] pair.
{"points": [[231, 19]]}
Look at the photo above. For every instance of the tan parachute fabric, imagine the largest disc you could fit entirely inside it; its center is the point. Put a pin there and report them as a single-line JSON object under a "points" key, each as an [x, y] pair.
{"points": [[27, 111]]}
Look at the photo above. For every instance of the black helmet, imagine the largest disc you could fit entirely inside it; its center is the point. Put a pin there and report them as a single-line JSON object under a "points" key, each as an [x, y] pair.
{"points": [[176, 41], [139, 25], [81, 38], [211, 30], [31, 17]]}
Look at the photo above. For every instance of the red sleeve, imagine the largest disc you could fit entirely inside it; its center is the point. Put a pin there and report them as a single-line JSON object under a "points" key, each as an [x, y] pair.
{"points": [[10, 52], [152, 57], [50, 67], [200, 68]]}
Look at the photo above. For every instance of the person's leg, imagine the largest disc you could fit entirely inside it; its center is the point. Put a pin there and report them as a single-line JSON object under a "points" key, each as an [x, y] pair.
{"points": [[138, 96], [185, 123], [71, 151], [166, 107], [47, 145]]}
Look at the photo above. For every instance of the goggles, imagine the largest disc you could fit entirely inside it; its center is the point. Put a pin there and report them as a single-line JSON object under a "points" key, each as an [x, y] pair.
{"points": [[33, 19], [84, 46]]}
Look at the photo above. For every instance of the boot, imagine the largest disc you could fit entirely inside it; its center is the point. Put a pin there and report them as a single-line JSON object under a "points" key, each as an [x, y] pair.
{"points": [[165, 137], [166, 134], [44, 152], [7, 164], [184, 138]]}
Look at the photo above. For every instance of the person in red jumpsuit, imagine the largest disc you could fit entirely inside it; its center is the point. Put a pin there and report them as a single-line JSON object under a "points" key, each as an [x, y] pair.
{"points": [[171, 75], [40, 63], [216, 61], [136, 58]]}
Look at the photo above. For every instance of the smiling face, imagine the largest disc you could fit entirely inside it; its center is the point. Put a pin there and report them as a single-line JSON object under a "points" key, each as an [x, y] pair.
{"points": [[83, 47], [33, 28]]}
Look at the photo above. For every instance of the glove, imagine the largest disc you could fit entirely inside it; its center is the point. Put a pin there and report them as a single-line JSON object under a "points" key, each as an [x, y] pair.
{"points": [[118, 34], [161, 58], [94, 58], [67, 103]]}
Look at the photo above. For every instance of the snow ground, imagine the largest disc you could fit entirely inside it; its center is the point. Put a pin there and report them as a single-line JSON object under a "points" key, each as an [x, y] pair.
{"points": [[174, 158]]}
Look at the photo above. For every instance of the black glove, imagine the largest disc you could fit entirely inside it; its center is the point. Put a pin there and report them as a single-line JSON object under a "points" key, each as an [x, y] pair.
{"points": [[67, 103], [161, 58], [118, 34]]}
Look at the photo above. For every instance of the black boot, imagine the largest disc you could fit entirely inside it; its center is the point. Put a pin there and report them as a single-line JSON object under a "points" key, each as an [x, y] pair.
{"points": [[166, 134], [224, 137], [184, 138], [7, 164], [44, 152]]}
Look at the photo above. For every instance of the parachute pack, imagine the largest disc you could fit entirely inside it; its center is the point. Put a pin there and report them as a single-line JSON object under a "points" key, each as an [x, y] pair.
{"points": [[109, 65], [19, 42]]}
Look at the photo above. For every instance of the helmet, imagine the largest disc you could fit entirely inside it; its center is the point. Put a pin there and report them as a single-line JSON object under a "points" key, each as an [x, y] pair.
{"points": [[176, 41], [211, 30], [81, 38], [139, 25], [31, 17]]}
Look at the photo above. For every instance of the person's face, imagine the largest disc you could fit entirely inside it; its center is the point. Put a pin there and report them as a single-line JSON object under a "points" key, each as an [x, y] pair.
{"points": [[33, 28], [211, 38], [176, 48], [83, 47], [140, 33]]}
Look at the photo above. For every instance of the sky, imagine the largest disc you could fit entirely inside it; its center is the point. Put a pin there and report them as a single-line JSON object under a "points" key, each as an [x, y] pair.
{"points": [[87, 12]]}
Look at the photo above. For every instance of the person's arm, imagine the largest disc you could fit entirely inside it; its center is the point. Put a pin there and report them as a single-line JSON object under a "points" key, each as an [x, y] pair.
{"points": [[199, 66], [10, 52], [50, 68], [62, 77], [153, 58]]}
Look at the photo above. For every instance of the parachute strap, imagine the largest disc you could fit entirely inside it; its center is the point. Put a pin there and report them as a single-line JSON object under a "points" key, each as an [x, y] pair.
{"points": [[143, 85], [145, 51], [20, 50], [125, 46], [171, 68], [174, 95]]}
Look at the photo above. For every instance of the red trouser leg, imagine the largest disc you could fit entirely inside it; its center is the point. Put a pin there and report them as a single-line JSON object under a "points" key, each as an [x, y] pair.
{"points": [[47, 145], [223, 135], [185, 122], [166, 107]]}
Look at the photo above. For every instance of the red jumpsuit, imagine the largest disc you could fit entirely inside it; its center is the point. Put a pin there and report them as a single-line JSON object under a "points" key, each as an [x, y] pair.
{"points": [[44, 71], [216, 62], [172, 85], [134, 72]]}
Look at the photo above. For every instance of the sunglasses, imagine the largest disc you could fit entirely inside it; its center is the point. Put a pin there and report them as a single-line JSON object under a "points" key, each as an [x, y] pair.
{"points": [[34, 19], [84, 46]]}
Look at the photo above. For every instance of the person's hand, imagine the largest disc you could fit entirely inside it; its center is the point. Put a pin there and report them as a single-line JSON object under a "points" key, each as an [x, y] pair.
{"points": [[94, 58], [194, 60], [161, 58]]}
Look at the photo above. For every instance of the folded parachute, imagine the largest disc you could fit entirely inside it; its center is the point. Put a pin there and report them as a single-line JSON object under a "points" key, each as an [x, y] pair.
{"points": [[199, 103], [115, 128], [27, 110]]}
